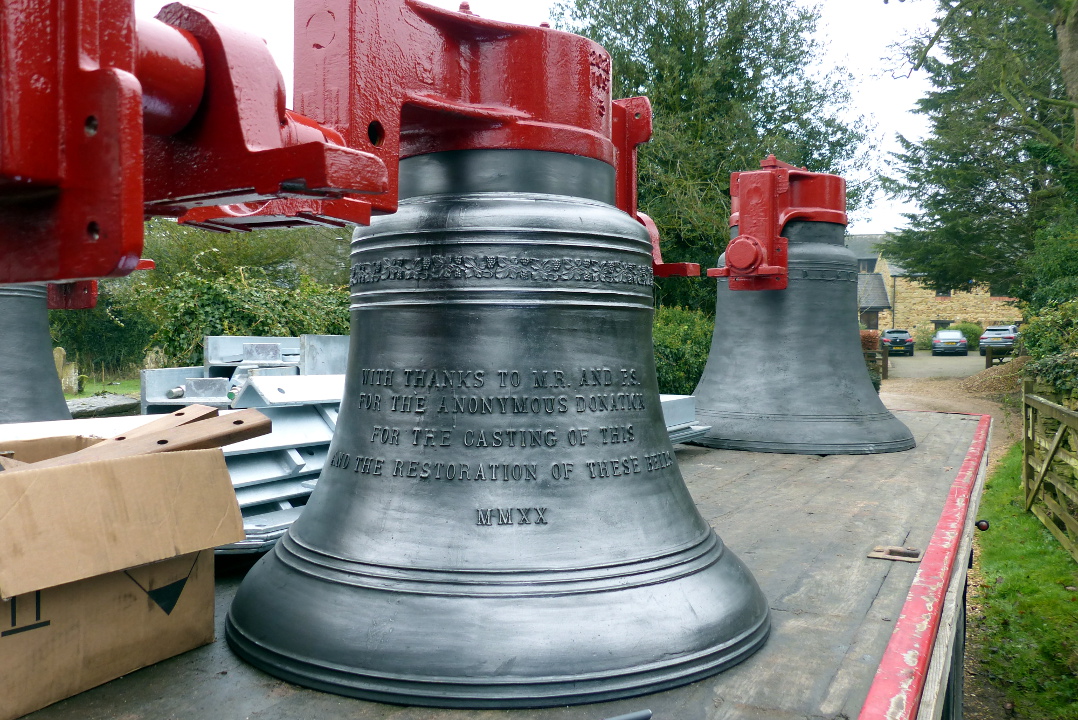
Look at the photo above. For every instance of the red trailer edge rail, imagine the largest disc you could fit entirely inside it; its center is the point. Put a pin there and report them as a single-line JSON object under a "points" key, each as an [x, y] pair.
{"points": [[897, 689]]}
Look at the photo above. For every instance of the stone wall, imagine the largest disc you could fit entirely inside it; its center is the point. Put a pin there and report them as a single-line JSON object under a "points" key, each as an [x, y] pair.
{"points": [[916, 306]]}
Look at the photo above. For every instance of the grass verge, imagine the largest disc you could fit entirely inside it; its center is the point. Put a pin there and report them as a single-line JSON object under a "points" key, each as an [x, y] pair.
{"points": [[95, 387], [1024, 627]]}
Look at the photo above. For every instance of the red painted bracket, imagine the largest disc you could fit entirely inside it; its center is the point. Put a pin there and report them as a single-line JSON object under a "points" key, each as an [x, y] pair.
{"points": [[290, 212], [81, 294], [103, 122], [398, 78], [762, 202], [70, 140], [631, 128], [243, 146], [660, 268], [435, 80]]}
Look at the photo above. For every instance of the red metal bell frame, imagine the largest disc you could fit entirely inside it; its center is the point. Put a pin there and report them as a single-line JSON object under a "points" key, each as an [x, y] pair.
{"points": [[102, 122], [762, 202], [434, 80]]}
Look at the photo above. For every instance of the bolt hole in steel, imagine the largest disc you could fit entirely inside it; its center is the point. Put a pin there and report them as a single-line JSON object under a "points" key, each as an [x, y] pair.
{"points": [[122, 437], [237, 422], [91, 126], [162, 442], [280, 390], [376, 133], [93, 231]]}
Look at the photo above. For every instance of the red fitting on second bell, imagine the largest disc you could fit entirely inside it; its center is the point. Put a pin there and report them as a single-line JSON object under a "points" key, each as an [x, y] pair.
{"points": [[762, 202], [743, 254]]}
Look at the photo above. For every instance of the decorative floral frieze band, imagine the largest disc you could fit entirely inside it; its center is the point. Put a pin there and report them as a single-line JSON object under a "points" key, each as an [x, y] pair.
{"points": [[501, 267]]}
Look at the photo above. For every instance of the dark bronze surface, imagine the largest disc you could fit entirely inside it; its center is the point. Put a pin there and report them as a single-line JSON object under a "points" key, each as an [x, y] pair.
{"points": [[502, 522], [29, 386], [786, 372]]}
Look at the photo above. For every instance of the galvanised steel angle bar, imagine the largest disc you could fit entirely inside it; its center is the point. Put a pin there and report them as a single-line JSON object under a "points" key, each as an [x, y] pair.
{"points": [[293, 427], [271, 492]]}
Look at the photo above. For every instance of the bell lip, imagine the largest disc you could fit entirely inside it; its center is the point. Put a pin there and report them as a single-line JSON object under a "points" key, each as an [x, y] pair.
{"points": [[876, 433], [858, 448], [490, 693], [867, 448]]}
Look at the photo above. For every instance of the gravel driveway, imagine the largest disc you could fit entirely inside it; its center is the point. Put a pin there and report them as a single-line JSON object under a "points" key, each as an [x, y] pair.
{"points": [[923, 364]]}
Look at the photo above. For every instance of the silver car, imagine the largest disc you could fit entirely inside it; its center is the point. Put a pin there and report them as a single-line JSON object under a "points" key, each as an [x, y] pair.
{"points": [[999, 337], [949, 341]]}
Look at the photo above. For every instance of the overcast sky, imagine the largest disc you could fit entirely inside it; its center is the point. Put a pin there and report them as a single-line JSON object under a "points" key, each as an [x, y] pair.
{"points": [[859, 34]]}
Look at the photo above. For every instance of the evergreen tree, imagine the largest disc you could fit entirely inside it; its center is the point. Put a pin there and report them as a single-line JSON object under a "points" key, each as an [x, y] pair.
{"points": [[997, 168], [730, 82]]}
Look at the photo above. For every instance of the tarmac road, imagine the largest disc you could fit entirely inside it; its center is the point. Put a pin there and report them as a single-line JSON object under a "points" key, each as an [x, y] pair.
{"points": [[923, 365]]}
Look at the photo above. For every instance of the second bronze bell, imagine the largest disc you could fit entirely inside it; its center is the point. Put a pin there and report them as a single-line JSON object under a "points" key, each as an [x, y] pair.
{"points": [[786, 372]]}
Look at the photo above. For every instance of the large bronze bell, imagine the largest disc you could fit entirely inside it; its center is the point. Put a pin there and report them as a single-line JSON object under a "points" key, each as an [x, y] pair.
{"points": [[786, 372], [30, 389], [502, 522]]}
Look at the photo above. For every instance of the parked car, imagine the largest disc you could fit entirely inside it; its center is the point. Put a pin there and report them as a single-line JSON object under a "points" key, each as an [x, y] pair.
{"points": [[898, 341], [999, 337], [950, 341]]}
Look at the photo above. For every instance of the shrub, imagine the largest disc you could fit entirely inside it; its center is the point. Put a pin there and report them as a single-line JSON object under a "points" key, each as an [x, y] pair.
{"points": [[112, 335], [922, 337], [682, 340], [245, 302], [1060, 371], [1053, 331], [870, 340], [972, 333]]}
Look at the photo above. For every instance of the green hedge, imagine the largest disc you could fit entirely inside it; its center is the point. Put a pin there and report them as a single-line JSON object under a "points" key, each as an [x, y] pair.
{"points": [[682, 340], [134, 315], [242, 304], [971, 331], [113, 335], [1051, 332]]}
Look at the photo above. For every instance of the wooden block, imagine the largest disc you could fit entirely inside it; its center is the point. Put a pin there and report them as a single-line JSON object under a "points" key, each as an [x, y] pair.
{"points": [[183, 416], [209, 433]]}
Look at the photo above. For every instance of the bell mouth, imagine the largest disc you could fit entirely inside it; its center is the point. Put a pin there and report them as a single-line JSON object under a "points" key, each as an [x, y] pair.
{"points": [[522, 650]]}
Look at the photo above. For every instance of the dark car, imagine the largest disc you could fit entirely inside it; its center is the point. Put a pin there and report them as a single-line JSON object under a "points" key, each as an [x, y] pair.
{"points": [[899, 341], [950, 341], [1000, 338]]}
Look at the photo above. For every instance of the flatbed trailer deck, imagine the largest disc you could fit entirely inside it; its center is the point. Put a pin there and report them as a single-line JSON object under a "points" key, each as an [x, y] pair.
{"points": [[846, 627]]}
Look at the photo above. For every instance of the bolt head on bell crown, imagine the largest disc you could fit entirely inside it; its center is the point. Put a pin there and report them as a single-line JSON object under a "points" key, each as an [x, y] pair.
{"points": [[502, 521]]}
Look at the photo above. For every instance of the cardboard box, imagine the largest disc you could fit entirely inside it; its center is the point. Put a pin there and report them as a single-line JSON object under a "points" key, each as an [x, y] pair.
{"points": [[105, 567]]}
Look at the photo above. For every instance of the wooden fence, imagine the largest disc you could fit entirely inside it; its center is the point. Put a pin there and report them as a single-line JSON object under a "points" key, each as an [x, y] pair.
{"points": [[877, 360], [1050, 466]]}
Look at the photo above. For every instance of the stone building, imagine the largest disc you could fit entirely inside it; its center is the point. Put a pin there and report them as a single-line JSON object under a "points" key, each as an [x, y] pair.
{"points": [[910, 304]]}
